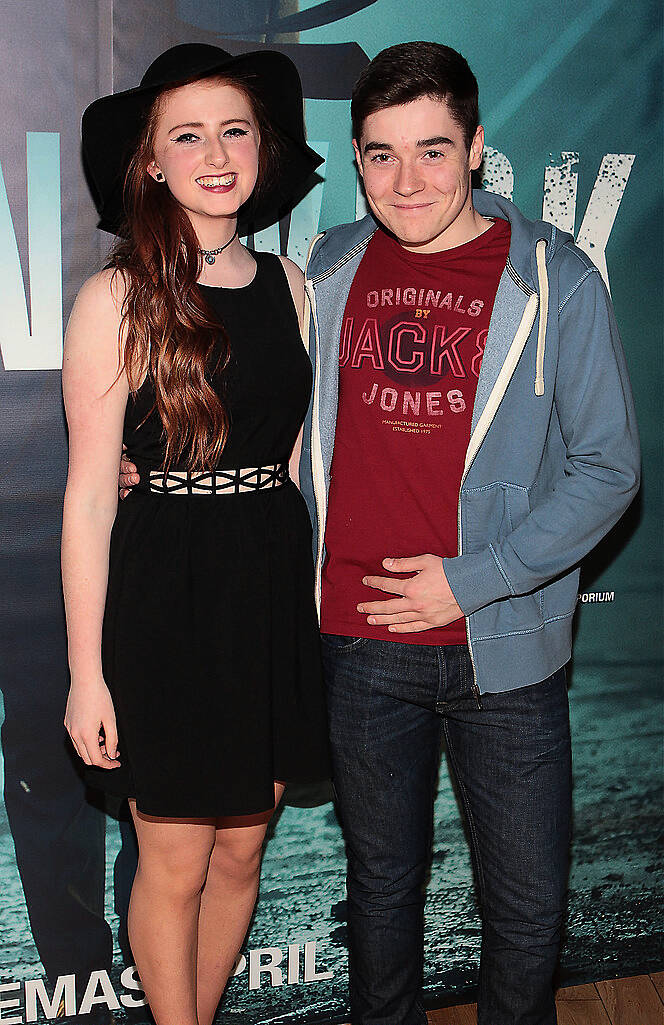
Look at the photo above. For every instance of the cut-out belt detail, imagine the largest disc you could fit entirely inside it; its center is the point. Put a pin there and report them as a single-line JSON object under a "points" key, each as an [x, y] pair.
{"points": [[218, 482]]}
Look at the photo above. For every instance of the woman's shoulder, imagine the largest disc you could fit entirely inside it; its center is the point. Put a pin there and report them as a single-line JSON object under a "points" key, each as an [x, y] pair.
{"points": [[96, 317], [293, 272], [104, 291]]}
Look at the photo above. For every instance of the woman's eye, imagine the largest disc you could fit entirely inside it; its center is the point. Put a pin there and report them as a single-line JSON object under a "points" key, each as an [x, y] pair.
{"points": [[236, 132], [187, 137]]}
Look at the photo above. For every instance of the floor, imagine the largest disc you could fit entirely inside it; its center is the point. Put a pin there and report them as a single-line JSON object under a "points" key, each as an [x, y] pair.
{"points": [[635, 1001]]}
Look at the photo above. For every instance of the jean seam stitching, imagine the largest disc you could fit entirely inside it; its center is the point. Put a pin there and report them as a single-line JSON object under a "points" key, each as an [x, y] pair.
{"points": [[469, 814], [442, 674]]}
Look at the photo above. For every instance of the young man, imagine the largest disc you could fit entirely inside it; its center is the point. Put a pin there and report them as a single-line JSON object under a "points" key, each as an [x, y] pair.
{"points": [[471, 437]]}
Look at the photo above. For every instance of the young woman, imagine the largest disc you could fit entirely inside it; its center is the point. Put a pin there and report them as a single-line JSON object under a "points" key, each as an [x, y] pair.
{"points": [[195, 678]]}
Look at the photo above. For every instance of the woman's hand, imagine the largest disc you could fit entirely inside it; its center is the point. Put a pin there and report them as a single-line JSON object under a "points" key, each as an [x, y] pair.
{"points": [[90, 722]]}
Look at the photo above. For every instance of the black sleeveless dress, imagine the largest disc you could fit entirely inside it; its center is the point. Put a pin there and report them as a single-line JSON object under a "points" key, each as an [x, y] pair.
{"points": [[210, 640]]}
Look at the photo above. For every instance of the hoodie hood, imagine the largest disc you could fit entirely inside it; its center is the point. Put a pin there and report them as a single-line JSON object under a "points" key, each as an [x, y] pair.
{"points": [[533, 245], [525, 235]]}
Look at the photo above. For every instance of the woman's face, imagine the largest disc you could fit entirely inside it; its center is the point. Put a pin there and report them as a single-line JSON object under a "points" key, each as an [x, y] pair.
{"points": [[206, 145]]}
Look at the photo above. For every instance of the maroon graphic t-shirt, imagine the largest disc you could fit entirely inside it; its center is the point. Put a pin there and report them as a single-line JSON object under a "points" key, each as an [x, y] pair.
{"points": [[412, 340]]}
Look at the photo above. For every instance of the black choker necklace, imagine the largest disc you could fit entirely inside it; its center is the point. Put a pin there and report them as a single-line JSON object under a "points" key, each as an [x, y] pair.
{"points": [[210, 255]]}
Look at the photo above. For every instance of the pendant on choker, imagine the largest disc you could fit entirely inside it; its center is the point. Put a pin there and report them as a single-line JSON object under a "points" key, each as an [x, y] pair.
{"points": [[210, 255]]}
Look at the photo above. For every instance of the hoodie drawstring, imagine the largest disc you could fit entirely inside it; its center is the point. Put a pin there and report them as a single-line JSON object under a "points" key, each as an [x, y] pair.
{"points": [[543, 282]]}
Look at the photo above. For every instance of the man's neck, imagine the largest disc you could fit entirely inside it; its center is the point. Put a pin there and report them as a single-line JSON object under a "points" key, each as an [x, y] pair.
{"points": [[454, 236]]}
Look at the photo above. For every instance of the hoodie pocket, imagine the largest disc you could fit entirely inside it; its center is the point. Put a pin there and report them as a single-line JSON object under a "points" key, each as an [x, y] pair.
{"points": [[490, 515]]}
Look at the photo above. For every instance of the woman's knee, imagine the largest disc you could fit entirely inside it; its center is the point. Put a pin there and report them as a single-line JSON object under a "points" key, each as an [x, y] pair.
{"points": [[237, 858], [180, 868]]}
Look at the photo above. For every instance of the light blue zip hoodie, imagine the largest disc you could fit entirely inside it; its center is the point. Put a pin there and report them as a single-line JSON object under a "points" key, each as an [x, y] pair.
{"points": [[553, 458]]}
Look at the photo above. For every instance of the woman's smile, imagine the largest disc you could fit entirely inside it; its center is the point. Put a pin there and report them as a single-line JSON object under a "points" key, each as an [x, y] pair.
{"points": [[218, 183]]}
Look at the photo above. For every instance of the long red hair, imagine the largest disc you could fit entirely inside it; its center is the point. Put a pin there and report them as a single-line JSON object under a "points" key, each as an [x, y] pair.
{"points": [[168, 331]]}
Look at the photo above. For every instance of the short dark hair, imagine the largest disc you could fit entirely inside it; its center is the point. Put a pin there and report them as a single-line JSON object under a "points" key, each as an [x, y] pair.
{"points": [[403, 73]]}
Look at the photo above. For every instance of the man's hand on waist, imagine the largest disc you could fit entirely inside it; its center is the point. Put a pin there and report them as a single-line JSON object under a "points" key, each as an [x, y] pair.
{"points": [[128, 475], [424, 601]]}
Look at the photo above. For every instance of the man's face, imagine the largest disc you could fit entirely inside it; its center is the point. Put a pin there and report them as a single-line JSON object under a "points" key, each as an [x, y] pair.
{"points": [[416, 171]]}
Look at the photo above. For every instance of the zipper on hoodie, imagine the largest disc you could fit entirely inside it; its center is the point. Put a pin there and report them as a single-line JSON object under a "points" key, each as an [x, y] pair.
{"points": [[475, 689], [317, 473]]}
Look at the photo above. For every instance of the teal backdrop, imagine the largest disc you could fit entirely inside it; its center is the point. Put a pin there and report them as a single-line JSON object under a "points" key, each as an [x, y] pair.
{"points": [[571, 102]]}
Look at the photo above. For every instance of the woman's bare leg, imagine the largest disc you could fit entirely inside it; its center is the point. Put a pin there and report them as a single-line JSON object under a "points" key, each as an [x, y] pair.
{"points": [[227, 903], [174, 856]]}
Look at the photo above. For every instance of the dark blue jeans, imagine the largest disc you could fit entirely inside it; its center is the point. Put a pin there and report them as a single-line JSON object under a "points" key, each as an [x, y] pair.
{"points": [[388, 705]]}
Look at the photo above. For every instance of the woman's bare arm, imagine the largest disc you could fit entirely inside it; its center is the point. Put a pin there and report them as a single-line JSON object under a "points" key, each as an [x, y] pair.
{"points": [[95, 395]]}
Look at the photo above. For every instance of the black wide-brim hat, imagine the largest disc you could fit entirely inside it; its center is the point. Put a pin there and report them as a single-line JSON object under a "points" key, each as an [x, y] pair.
{"points": [[112, 127]]}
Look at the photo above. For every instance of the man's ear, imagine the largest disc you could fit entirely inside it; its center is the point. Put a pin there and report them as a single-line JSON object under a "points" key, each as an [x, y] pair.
{"points": [[358, 159], [477, 149]]}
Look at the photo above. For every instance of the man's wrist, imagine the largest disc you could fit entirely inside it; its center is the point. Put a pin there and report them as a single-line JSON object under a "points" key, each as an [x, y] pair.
{"points": [[475, 580]]}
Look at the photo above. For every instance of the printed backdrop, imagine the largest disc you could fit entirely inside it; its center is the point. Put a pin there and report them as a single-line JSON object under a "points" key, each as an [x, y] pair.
{"points": [[571, 102]]}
